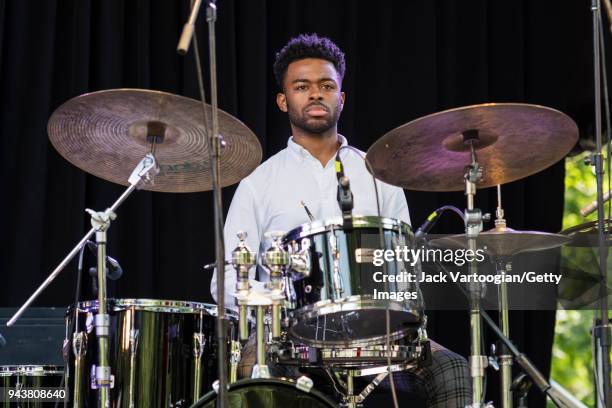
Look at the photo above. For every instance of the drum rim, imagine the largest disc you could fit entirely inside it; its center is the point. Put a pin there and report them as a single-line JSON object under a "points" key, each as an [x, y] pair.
{"points": [[156, 305], [356, 356], [278, 381], [355, 302], [359, 221], [30, 370]]}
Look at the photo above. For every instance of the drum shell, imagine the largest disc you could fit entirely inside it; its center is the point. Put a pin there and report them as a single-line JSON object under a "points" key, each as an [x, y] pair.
{"points": [[30, 376], [154, 353], [314, 296]]}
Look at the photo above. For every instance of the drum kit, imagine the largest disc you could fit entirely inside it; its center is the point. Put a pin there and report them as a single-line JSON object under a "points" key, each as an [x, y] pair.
{"points": [[317, 311]]}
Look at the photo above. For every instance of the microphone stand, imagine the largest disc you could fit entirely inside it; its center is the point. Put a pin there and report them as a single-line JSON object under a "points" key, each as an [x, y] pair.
{"points": [[100, 222], [215, 144], [602, 331]]}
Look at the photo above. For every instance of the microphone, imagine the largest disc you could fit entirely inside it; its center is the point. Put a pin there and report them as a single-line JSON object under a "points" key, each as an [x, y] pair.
{"points": [[113, 269], [189, 27], [427, 225], [345, 195]]}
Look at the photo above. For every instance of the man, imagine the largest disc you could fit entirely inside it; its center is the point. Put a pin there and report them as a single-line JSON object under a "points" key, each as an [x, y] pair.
{"points": [[309, 71]]}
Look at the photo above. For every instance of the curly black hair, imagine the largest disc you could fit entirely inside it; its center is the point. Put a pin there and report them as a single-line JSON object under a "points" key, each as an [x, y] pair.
{"points": [[308, 46]]}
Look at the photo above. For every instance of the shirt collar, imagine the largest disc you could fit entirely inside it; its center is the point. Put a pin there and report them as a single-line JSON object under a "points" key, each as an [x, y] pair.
{"points": [[302, 153]]}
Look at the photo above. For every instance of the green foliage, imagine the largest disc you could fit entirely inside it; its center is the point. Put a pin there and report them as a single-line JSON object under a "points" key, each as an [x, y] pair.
{"points": [[572, 362]]}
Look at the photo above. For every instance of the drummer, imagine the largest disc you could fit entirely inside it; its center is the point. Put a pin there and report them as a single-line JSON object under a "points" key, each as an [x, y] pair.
{"points": [[309, 71]]}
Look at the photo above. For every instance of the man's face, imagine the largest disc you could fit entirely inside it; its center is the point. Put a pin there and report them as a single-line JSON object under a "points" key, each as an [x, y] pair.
{"points": [[311, 95]]}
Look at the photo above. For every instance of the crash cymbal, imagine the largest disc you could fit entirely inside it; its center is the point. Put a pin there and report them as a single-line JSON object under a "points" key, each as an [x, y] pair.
{"points": [[504, 242], [105, 134], [514, 141], [586, 235]]}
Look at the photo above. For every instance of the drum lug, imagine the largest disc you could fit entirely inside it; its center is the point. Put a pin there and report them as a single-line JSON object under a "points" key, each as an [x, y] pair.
{"points": [[304, 384], [134, 333], [79, 344], [199, 342], [336, 259], [98, 374]]}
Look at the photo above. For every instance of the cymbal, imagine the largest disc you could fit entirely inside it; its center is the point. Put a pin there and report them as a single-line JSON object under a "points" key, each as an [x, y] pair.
{"points": [[504, 242], [586, 235], [105, 134], [514, 141]]}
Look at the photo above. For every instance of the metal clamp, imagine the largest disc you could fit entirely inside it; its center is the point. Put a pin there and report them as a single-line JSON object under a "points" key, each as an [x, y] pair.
{"points": [[102, 323], [101, 376]]}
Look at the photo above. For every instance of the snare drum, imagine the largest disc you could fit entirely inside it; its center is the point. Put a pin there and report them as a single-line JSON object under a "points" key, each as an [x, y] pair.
{"points": [[34, 377], [162, 353], [341, 300]]}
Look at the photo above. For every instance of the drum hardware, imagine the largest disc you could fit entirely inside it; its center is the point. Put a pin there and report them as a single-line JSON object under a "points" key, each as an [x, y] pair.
{"points": [[276, 259], [521, 385], [142, 174], [243, 260], [602, 330], [539, 380], [133, 341], [79, 348], [335, 254], [236, 347]]}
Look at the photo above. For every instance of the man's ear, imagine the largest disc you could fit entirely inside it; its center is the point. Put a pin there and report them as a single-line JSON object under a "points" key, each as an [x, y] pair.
{"points": [[342, 99], [281, 101]]}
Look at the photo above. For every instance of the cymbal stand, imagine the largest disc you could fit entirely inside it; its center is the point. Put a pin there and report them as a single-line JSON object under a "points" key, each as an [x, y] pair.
{"points": [[502, 266], [143, 173], [473, 226], [602, 332], [100, 221]]}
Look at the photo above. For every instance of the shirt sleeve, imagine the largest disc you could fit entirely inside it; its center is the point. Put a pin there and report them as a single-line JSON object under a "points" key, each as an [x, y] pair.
{"points": [[394, 203], [242, 216]]}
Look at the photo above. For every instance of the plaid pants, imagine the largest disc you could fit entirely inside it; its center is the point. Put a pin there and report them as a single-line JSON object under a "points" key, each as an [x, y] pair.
{"points": [[445, 383]]}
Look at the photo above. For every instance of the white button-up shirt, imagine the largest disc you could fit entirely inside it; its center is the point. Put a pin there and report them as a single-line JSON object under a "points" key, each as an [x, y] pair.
{"points": [[269, 199]]}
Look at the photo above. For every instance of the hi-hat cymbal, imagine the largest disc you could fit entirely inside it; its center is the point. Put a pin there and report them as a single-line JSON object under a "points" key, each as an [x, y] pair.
{"points": [[106, 133], [504, 242], [514, 141], [586, 235]]}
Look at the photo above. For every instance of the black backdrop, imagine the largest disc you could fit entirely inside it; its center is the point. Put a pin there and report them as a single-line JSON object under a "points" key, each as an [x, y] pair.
{"points": [[405, 59]]}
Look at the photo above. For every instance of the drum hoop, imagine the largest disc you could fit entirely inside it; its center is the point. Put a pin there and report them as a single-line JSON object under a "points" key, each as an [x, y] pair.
{"points": [[158, 305], [30, 370], [359, 221], [356, 302]]}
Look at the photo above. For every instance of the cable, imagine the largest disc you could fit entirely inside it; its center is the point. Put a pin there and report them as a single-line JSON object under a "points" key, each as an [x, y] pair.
{"points": [[386, 285]]}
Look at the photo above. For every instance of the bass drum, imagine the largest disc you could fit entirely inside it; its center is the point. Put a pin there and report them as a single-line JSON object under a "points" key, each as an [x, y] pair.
{"points": [[163, 353], [269, 393], [341, 299]]}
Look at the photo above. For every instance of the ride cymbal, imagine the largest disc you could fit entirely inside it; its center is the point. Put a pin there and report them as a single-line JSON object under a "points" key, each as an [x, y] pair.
{"points": [[107, 133], [513, 141]]}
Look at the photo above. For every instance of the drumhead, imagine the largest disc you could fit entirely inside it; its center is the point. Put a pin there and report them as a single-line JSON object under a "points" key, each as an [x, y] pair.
{"points": [[359, 221], [30, 370], [269, 393], [157, 305]]}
